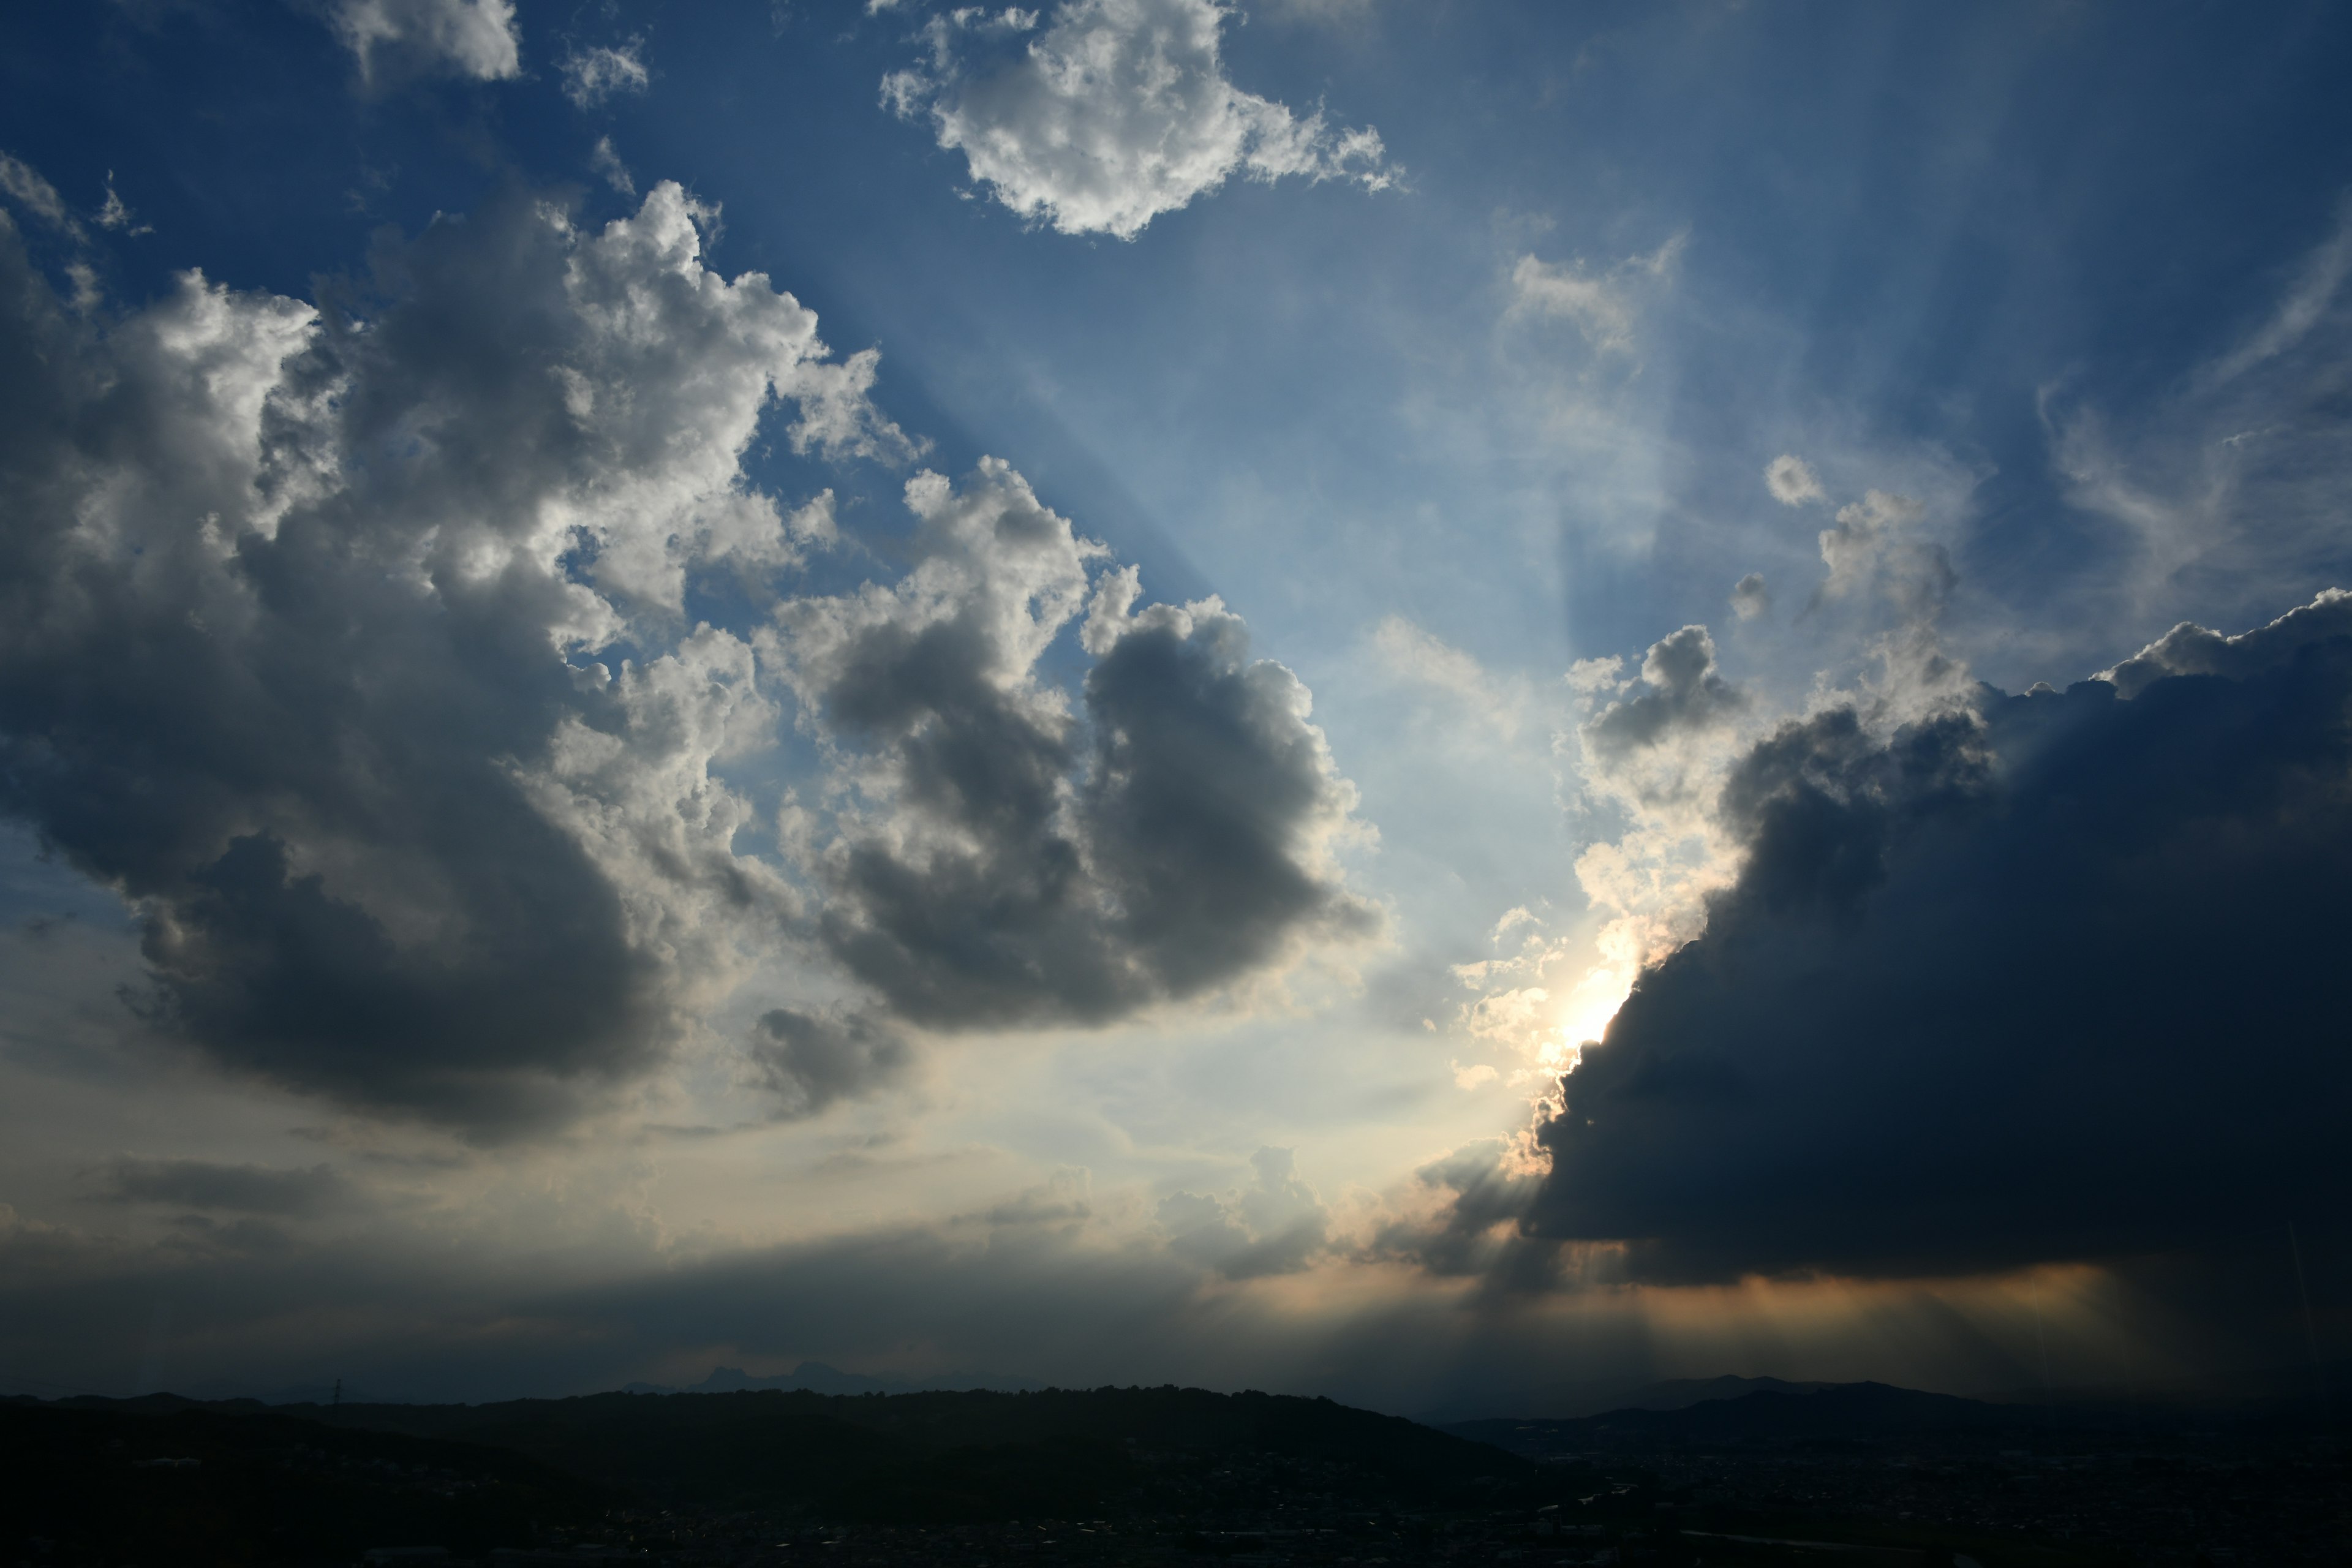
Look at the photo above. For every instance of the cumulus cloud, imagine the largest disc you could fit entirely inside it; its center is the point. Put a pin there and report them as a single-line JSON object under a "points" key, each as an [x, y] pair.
{"points": [[1683, 694], [593, 74], [473, 38], [809, 1061], [300, 612], [1112, 112], [1004, 859], [2034, 978], [1791, 480]]}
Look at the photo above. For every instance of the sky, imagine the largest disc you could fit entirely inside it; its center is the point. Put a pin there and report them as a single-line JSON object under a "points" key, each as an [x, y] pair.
{"points": [[1442, 704]]}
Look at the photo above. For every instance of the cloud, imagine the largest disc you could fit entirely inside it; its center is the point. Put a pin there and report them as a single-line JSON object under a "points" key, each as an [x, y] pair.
{"points": [[2307, 302], [1750, 598], [1117, 112], [1420, 656], [1791, 480], [2191, 649], [607, 162], [2228, 483], [1274, 1225], [1002, 860], [811, 1061], [229, 1189], [593, 74], [2036, 978], [1685, 695], [300, 618], [115, 214], [1875, 542], [1604, 306], [474, 38], [25, 185]]}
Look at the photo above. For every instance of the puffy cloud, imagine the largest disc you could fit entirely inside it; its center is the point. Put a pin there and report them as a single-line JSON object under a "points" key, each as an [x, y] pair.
{"points": [[1791, 480], [2191, 649], [593, 74], [1117, 112], [809, 1061], [1875, 542], [297, 617], [1002, 861], [1750, 598], [475, 38], [2037, 978], [1685, 695]]}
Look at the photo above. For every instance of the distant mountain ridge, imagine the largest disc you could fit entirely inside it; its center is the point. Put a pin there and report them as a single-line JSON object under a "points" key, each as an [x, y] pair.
{"points": [[816, 1377], [1788, 1412]]}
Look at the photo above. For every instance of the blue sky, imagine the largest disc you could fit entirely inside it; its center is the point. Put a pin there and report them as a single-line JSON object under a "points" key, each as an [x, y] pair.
{"points": [[755, 905]]}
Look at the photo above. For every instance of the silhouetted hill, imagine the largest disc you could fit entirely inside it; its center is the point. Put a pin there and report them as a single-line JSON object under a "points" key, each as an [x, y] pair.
{"points": [[1681, 1393], [1825, 1411], [167, 1481], [1056, 1453]]}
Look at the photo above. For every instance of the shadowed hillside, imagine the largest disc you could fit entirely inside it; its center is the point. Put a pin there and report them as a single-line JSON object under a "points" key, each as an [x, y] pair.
{"points": [[934, 1456]]}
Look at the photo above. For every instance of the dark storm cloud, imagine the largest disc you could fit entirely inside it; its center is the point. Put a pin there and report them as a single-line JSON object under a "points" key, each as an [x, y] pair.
{"points": [[2060, 977], [809, 1061], [1478, 1228], [228, 1189], [1021, 865], [285, 597], [1684, 692]]}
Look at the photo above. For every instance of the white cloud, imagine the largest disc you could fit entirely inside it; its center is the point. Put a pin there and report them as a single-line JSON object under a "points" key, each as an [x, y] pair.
{"points": [[1274, 1226], [2304, 305], [116, 215], [607, 162], [1791, 480], [475, 38], [1750, 598], [1119, 111], [1603, 305], [996, 858], [592, 75], [1421, 656], [25, 185], [2232, 481], [445, 863]]}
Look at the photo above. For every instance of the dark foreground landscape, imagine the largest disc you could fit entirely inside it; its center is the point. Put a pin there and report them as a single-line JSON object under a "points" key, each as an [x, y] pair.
{"points": [[1847, 1477]]}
